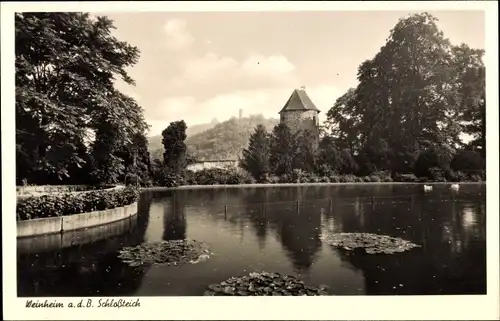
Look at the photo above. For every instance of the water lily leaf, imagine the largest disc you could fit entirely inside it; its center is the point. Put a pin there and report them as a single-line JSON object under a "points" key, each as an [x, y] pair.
{"points": [[371, 243], [265, 284], [174, 253]]}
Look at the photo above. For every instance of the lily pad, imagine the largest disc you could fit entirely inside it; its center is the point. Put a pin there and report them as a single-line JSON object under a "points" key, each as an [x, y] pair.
{"points": [[371, 243], [174, 253], [259, 284]]}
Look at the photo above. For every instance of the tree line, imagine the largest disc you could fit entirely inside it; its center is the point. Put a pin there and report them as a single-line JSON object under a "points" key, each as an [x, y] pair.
{"points": [[414, 102]]}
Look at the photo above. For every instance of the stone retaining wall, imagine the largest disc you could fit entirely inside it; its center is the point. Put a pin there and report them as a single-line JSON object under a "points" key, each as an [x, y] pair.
{"points": [[55, 241], [61, 224]]}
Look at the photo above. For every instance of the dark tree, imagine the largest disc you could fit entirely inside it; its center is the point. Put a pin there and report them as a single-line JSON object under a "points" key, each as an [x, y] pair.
{"points": [[282, 150], [174, 157], [255, 159], [306, 149], [66, 66]]}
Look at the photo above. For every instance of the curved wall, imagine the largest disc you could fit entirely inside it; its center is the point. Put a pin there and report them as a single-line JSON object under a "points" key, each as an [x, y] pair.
{"points": [[60, 224]]}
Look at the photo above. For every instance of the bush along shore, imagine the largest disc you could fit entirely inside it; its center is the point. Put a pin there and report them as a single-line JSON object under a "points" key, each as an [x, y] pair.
{"points": [[62, 204], [236, 176]]}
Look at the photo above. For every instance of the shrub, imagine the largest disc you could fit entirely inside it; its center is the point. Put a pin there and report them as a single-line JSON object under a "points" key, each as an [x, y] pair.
{"points": [[325, 179], [432, 159], [366, 179], [437, 174], [423, 179], [218, 176], [285, 179], [348, 178], [334, 179], [467, 160], [406, 178], [374, 179], [387, 179], [54, 205], [359, 179], [299, 176], [476, 178], [382, 174]]}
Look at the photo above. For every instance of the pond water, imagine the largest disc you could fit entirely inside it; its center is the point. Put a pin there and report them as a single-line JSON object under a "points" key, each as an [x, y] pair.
{"points": [[275, 229]]}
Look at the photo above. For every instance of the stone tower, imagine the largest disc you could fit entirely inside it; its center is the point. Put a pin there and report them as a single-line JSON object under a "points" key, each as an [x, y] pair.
{"points": [[299, 112]]}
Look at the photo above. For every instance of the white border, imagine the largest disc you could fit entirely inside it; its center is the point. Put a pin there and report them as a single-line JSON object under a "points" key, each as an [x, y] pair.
{"points": [[210, 308]]}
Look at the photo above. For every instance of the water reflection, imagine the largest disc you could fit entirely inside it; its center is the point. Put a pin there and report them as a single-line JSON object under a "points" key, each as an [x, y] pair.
{"points": [[174, 219], [276, 229]]}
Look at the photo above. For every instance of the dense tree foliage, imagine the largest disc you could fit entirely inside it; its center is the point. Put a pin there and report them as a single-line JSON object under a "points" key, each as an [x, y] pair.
{"points": [[174, 157], [71, 122], [283, 147], [419, 93], [255, 158]]}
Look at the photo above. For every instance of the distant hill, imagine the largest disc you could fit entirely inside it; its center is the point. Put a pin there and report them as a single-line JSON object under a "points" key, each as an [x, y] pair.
{"points": [[155, 141], [224, 140]]}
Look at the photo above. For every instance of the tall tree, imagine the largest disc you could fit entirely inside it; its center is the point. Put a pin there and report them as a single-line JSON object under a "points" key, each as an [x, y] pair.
{"points": [[410, 96], [343, 122], [66, 66], [255, 158], [174, 157], [306, 150], [282, 150]]}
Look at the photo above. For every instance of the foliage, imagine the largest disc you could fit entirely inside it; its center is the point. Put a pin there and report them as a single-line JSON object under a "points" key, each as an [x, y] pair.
{"points": [[217, 176], [283, 148], [53, 205], [66, 67], [255, 158], [419, 90], [328, 158], [406, 178], [174, 157], [467, 160], [347, 164], [155, 144], [306, 148], [438, 157]]}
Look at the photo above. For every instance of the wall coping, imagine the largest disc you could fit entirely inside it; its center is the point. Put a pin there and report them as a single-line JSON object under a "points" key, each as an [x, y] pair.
{"points": [[37, 191], [61, 224]]}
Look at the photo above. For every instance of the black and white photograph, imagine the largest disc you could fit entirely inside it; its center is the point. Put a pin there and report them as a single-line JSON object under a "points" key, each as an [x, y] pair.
{"points": [[182, 154]]}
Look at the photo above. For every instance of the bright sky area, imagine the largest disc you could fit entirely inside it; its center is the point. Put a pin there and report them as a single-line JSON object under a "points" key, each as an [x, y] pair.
{"points": [[198, 66]]}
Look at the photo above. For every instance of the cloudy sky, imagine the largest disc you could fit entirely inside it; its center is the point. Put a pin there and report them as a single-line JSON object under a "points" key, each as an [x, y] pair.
{"points": [[198, 66]]}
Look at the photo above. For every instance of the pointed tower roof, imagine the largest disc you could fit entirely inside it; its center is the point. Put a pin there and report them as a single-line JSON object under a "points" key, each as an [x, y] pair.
{"points": [[299, 100]]}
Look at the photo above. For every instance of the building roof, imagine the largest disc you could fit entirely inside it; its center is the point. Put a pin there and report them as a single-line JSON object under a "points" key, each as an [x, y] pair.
{"points": [[299, 100]]}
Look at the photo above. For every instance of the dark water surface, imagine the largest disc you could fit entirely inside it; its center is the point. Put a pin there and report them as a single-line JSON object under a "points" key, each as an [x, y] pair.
{"points": [[266, 229]]}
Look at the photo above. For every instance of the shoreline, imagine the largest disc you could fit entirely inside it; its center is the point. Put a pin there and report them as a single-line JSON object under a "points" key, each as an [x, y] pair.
{"points": [[260, 185]]}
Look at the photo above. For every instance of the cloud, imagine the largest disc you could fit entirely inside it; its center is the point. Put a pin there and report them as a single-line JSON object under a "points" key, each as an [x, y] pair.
{"points": [[265, 101], [177, 34], [213, 73]]}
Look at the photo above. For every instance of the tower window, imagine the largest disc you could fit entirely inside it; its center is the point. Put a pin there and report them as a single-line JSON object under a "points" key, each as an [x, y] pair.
{"points": [[314, 120]]}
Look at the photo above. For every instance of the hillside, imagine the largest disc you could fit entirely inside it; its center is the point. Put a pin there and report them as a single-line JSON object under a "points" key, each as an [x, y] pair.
{"points": [[155, 141], [224, 140], [227, 139]]}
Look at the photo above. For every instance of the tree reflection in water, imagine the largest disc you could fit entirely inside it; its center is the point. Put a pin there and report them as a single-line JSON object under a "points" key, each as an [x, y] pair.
{"points": [[452, 259], [174, 218]]}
